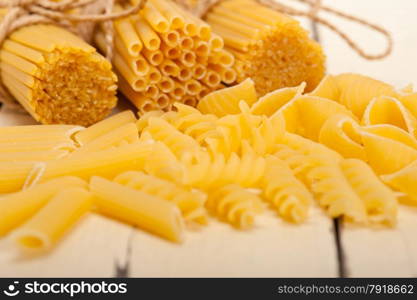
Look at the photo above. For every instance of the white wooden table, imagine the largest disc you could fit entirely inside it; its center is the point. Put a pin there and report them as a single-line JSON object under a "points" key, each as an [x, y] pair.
{"points": [[319, 248]]}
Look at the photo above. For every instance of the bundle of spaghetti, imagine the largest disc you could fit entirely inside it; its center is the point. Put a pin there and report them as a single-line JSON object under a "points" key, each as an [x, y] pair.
{"points": [[165, 54], [190, 202], [269, 47], [235, 205], [57, 77], [285, 192]]}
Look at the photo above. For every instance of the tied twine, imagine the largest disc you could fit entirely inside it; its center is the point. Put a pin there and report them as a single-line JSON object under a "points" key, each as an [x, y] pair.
{"points": [[21, 13], [202, 7]]}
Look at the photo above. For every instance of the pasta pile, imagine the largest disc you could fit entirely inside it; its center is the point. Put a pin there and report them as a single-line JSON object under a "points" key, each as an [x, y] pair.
{"points": [[164, 54], [271, 48], [350, 145], [57, 77]]}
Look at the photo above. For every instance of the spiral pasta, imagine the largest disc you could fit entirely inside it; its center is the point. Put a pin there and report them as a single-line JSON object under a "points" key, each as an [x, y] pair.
{"points": [[380, 201], [177, 142], [164, 164], [207, 171], [235, 205], [325, 178], [285, 192], [189, 202]]}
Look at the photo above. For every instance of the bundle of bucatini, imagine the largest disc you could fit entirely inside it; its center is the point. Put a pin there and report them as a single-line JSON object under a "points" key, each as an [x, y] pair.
{"points": [[165, 54], [350, 144], [56, 76]]}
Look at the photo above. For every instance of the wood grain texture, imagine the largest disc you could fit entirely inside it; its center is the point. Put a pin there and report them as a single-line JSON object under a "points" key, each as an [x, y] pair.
{"points": [[382, 252], [92, 249], [272, 249]]}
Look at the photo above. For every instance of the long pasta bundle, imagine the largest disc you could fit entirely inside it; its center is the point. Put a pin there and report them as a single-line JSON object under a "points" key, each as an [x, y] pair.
{"points": [[57, 77], [164, 54], [271, 48]]}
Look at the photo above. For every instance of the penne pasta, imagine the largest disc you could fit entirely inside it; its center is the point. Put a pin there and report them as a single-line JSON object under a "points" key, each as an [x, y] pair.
{"points": [[53, 220], [143, 210]]}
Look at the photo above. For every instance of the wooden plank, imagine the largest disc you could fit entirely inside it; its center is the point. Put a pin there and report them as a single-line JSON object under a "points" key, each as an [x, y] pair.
{"points": [[382, 252], [272, 249], [92, 249]]}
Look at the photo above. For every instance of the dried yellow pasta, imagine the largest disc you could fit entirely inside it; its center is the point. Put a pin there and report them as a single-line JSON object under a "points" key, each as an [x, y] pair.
{"points": [[343, 134], [164, 39], [101, 128], [20, 206], [404, 181], [271, 102], [235, 205], [226, 101], [53, 220], [285, 192], [388, 110], [143, 210], [189, 202], [386, 155], [380, 201], [263, 42], [356, 91], [57, 77]]}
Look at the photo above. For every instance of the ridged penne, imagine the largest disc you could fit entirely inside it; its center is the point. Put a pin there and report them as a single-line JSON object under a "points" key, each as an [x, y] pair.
{"points": [[189, 202], [148, 212]]}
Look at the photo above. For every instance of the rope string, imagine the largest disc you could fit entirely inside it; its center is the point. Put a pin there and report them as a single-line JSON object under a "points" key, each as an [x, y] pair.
{"points": [[202, 7]]}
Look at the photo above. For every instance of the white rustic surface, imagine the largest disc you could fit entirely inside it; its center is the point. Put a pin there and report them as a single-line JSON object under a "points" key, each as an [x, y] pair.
{"points": [[368, 252], [272, 248], [92, 249]]}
